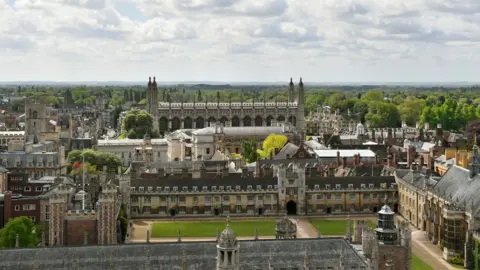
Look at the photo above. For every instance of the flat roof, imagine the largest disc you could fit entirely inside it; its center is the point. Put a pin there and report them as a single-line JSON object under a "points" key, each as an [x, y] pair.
{"points": [[329, 153]]}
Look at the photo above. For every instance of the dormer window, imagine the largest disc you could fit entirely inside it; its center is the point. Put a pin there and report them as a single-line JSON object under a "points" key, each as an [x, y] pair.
{"points": [[185, 189], [259, 187], [214, 188], [269, 186], [338, 186], [132, 188], [141, 189], [195, 188], [362, 186], [350, 186], [237, 188], [175, 189], [371, 186], [205, 188], [149, 189], [229, 188], [167, 189], [327, 186], [221, 188], [317, 187], [249, 187], [159, 189]]}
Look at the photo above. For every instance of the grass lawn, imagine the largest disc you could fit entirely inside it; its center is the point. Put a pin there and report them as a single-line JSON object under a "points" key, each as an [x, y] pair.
{"points": [[418, 264], [209, 228], [335, 227]]}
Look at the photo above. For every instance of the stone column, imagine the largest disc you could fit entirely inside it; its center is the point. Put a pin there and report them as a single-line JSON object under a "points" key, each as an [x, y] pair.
{"points": [[181, 125]]}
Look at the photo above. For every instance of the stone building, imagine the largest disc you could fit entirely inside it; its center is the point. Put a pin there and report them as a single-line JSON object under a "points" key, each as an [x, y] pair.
{"points": [[216, 188], [92, 224], [198, 115], [445, 207], [126, 149]]}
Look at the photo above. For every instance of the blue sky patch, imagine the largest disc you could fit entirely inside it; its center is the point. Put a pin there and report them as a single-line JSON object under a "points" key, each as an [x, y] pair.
{"points": [[129, 10]]}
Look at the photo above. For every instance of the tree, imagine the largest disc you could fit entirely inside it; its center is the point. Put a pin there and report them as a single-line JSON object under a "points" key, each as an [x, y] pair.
{"points": [[411, 110], [95, 160], [272, 142], [250, 151], [25, 229], [137, 123]]}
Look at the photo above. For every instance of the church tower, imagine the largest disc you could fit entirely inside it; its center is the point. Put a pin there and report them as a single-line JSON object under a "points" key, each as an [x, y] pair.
{"points": [[228, 257], [291, 91], [152, 102], [301, 108]]}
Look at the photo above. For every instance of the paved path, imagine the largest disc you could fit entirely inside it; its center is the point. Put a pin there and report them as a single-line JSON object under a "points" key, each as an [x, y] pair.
{"points": [[428, 252], [305, 229]]}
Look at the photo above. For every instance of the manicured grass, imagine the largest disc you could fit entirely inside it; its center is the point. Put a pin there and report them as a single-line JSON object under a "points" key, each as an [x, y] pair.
{"points": [[418, 264], [209, 228], [335, 227]]}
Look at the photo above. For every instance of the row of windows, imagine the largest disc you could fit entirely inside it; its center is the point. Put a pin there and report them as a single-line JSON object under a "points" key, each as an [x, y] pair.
{"points": [[250, 187], [339, 196], [25, 188], [26, 207], [207, 199]]}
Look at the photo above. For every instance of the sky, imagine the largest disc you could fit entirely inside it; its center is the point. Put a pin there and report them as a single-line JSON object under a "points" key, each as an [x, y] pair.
{"points": [[240, 40]]}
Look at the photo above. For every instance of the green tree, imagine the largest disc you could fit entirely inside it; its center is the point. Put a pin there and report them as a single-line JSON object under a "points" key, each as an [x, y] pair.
{"points": [[272, 142], [25, 229], [137, 123], [95, 160], [411, 110], [250, 151]]}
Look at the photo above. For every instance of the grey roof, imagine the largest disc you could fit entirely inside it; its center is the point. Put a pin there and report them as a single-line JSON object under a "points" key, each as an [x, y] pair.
{"points": [[323, 252], [459, 188], [287, 151], [242, 131]]}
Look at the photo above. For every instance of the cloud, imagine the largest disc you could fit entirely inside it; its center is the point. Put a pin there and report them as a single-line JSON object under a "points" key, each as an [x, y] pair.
{"points": [[239, 40]]}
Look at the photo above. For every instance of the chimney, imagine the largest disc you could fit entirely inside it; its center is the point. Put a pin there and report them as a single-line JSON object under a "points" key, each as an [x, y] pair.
{"points": [[356, 159], [338, 159], [428, 173], [344, 162], [244, 172], [373, 135], [203, 172], [410, 153], [258, 171], [7, 207], [422, 161], [161, 172], [389, 136], [389, 161]]}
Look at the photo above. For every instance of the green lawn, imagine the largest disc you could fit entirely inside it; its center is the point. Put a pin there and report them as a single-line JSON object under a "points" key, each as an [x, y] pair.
{"points": [[209, 228], [335, 227], [418, 264]]}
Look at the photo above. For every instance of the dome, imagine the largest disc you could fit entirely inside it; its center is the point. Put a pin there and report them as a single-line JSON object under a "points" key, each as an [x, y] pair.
{"points": [[228, 238], [80, 195], [360, 125], [386, 210]]}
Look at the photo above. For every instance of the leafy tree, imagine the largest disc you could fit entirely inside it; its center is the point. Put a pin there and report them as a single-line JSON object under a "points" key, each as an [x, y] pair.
{"points": [[411, 110], [25, 229], [250, 151], [137, 123], [272, 142], [94, 159]]}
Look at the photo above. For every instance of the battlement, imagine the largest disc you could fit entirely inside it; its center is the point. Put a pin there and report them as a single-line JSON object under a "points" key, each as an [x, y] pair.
{"points": [[106, 198], [62, 189], [81, 215], [109, 189]]}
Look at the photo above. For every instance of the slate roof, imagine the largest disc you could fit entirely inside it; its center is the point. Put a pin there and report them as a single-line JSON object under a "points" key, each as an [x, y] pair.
{"points": [[242, 131], [288, 149], [323, 252], [458, 187]]}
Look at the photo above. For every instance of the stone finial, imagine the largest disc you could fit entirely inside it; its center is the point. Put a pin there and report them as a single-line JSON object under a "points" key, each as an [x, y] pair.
{"points": [[179, 239], [270, 259], [318, 231], [17, 240], [85, 238], [256, 234], [148, 236], [306, 259]]}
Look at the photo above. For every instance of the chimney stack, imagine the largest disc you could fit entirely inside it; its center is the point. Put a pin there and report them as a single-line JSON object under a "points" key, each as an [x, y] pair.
{"points": [[344, 162], [410, 153], [338, 159], [422, 161]]}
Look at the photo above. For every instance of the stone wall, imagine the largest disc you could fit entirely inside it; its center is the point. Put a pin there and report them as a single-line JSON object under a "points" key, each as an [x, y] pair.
{"points": [[392, 252], [76, 229]]}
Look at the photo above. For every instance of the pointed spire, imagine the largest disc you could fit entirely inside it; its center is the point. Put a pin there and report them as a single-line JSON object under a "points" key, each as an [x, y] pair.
{"points": [[291, 81], [300, 83], [148, 236], [85, 238], [228, 221], [179, 239], [256, 234], [17, 240]]}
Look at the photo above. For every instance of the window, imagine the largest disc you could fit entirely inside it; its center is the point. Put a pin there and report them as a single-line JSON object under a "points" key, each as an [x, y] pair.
{"points": [[140, 189], [185, 189], [175, 188], [221, 188], [338, 186], [29, 207], [236, 150], [327, 186], [208, 151], [350, 186], [167, 189], [317, 186], [239, 199], [47, 212], [214, 188], [249, 187], [237, 188], [149, 189], [250, 197], [159, 189], [27, 189], [259, 187], [38, 189], [338, 196], [366, 196], [195, 199], [371, 185], [17, 207], [362, 185], [226, 198], [182, 198], [205, 188], [195, 188], [353, 197], [269, 186], [208, 199]]}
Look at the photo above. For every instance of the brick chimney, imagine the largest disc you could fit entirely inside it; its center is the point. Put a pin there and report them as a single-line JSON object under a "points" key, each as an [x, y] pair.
{"points": [[356, 159], [394, 160], [7, 207], [338, 158], [344, 162], [410, 154]]}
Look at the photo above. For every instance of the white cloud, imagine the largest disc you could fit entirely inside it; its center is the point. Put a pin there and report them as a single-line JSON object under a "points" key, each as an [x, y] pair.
{"points": [[239, 40]]}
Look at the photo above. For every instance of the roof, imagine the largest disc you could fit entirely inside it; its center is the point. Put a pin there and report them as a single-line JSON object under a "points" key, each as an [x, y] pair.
{"points": [[322, 252], [132, 142], [241, 131], [287, 151], [329, 153]]}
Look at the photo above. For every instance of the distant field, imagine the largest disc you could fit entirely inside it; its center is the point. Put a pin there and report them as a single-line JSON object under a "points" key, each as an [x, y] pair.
{"points": [[335, 227], [209, 228], [418, 264]]}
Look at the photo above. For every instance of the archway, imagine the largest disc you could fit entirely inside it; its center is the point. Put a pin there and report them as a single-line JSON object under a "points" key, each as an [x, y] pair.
{"points": [[247, 121], [176, 124], [258, 121], [200, 122], [260, 211], [187, 123], [223, 120], [281, 118], [216, 211], [211, 121], [163, 124], [172, 212], [375, 209], [269, 120], [291, 208], [235, 121], [293, 120]]}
